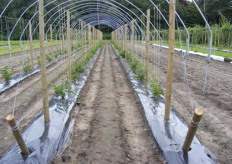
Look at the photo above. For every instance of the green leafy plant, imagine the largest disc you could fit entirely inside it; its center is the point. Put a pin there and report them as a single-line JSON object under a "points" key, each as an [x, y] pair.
{"points": [[57, 54], [59, 89], [38, 60], [155, 88], [134, 65], [7, 73], [140, 73], [27, 67], [49, 58], [76, 70], [123, 54]]}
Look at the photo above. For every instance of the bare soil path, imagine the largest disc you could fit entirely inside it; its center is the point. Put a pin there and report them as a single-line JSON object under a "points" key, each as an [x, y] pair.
{"points": [[110, 127]]}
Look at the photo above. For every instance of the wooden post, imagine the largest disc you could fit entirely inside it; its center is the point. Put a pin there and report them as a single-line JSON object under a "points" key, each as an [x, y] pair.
{"points": [[31, 44], [69, 66], [133, 40], [51, 39], [43, 66], [198, 113], [172, 9], [17, 134], [89, 36], [126, 36], [147, 48], [62, 33], [82, 38]]}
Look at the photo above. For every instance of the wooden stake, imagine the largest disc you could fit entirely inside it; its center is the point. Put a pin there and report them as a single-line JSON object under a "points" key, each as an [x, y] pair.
{"points": [[89, 35], [31, 44], [42, 58], [133, 40], [198, 113], [147, 47], [51, 39], [170, 58], [17, 134], [82, 38], [69, 66], [125, 36]]}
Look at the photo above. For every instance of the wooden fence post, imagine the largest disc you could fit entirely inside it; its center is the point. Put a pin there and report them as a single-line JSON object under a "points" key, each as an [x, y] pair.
{"points": [[31, 44], [133, 41], [89, 36], [198, 113], [82, 38], [51, 39], [43, 62], [17, 134], [172, 5], [147, 48], [69, 66]]}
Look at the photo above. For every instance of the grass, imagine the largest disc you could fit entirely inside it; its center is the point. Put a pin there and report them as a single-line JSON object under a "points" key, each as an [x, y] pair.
{"points": [[205, 51], [15, 46]]}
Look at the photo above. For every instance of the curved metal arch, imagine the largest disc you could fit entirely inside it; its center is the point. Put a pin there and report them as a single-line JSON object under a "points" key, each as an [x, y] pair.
{"points": [[106, 6], [50, 16], [92, 17], [109, 3], [84, 4], [80, 18], [90, 10]]}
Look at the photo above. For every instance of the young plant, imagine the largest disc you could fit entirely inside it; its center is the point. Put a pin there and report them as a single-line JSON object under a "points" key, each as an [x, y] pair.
{"points": [[59, 89], [155, 88], [7, 73], [76, 70], [38, 60], [134, 65], [140, 73], [57, 54], [27, 67], [123, 54], [49, 58]]}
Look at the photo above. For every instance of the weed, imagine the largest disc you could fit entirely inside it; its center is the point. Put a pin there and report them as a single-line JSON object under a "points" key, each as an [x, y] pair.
{"points": [[7, 73], [155, 88]]}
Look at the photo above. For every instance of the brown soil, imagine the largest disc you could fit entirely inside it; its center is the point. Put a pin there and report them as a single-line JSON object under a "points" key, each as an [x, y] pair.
{"points": [[110, 127], [215, 130], [28, 101], [16, 59]]}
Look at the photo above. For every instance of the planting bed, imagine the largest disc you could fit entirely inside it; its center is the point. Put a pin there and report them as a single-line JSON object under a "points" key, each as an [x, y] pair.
{"points": [[47, 140], [28, 100], [16, 60], [215, 129]]}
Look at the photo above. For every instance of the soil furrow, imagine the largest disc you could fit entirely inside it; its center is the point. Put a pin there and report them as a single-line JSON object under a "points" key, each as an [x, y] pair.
{"points": [[111, 128]]}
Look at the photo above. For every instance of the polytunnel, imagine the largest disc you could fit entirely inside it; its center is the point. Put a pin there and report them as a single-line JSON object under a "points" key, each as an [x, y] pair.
{"points": [[58, 43]]}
